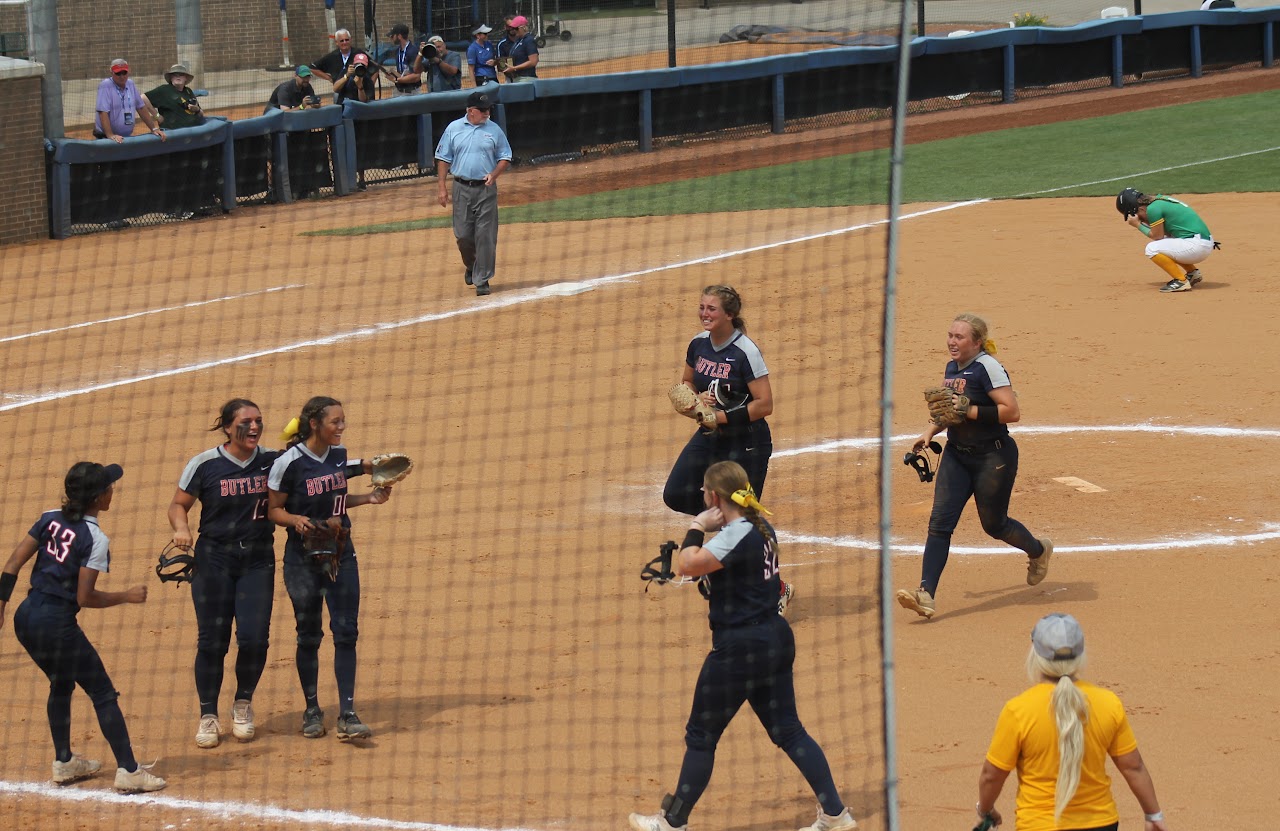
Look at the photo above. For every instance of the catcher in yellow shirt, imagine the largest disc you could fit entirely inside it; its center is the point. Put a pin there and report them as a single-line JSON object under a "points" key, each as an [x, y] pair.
{"points": [[1058, 735]]}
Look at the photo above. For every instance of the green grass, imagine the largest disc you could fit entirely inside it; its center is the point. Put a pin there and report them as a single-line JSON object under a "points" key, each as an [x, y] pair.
{"points": [[1050, 160]]}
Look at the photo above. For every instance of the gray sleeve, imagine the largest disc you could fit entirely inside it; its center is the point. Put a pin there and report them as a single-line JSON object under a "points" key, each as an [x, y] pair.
{"points": [[995, 371], [189, 472], [754, 357], [100, 557], [276, 476], [722, 544]]}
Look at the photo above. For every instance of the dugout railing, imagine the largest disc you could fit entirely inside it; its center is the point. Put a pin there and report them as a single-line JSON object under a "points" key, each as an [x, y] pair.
{"points": [[281, 157]]}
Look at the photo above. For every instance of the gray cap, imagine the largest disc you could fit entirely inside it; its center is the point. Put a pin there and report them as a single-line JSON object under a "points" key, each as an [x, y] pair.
{"points": [[1058, 637], [481, 29], [178, 69]]}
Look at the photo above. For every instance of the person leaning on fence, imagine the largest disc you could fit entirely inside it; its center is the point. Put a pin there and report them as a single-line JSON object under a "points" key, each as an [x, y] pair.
{"points": [[175, 101], [295, 93], [444, 70], [408, 69], [1058, 735], [120, 106], [523, 60], [483, 57]]}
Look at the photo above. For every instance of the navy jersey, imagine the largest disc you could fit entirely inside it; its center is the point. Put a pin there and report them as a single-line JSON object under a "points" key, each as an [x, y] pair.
{"points": [[316, 487], [746, 589], [232, 494], [734, 365], [983, 374], [62, 549]]}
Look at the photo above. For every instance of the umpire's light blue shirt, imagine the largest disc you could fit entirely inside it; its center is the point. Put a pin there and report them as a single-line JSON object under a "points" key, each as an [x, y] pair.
{"points": [[473, 151]]}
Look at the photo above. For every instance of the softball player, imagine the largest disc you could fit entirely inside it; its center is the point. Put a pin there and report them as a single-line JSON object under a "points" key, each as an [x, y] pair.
{"points": [[71, 551], [235, 572], [980, 460], [1179, 238], [307, 486], [752, 651], [726, 368]]}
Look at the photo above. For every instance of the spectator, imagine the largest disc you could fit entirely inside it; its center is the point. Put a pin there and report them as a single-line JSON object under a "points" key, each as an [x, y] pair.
{"points": [[334, 65], [408, 70], [483, 57], [504, 45], [1058, 734], [120, 105], [356, 83], [478, 152], [174, 101], [294, 94], [523, 61], [444, 70]]}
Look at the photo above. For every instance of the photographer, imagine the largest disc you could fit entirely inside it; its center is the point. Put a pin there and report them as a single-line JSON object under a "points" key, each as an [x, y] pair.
{"points": [[356, 83], [294, 94], [174, 100], [445, 68]]}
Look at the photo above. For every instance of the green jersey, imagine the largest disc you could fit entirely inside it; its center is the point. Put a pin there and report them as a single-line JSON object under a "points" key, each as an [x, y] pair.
{"points": [[1178, 218]]}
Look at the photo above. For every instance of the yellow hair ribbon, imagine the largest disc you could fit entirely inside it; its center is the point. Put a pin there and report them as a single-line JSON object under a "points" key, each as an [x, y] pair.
{"points": [[747, 499], [989, 346], [290, 430]]}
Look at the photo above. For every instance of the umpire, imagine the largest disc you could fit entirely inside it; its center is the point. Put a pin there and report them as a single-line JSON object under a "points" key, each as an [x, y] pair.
{"points": [[477, 152]]}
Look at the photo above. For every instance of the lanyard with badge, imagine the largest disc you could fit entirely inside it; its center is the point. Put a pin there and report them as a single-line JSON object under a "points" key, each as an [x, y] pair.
{"points": [[123, 92]]}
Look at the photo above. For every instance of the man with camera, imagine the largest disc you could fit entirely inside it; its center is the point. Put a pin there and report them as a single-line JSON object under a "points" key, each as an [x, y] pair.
{"points": [[338, 63], [174, 100], [295, 94], [445, 67], [356, 83]]}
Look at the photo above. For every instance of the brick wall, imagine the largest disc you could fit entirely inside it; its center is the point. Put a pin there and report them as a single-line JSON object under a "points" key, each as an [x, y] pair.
{"points": [[238, 34], [22, 164]]}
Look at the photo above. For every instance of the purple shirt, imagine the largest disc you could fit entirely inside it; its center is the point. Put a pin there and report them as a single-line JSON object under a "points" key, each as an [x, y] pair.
{"points": [[121, 105]]}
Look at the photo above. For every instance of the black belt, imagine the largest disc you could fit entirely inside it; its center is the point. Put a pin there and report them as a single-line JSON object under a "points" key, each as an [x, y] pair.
{"points": [[471, 183], [409, 86], [980, 447]]}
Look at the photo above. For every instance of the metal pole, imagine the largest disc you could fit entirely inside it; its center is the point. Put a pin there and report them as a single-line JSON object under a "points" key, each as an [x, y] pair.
{"points": [[920, 18], [886, 421], [330, 21], [190, 35], [42, 23], [284, 36], [671, 32]]}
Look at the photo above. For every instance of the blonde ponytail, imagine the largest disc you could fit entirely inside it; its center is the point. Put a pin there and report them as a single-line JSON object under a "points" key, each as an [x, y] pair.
{"points": [[1070, 713]]}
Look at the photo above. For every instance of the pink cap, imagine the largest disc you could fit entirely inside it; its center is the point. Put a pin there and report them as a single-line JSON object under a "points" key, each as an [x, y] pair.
{"points": [[361, 58], [518, 21]]}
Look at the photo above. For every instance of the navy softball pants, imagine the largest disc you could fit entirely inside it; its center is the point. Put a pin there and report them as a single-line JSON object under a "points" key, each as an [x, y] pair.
{"points": [[683, 491], [988, 477], [751, 664], [231, 582], [311, 590], [47, 628]]}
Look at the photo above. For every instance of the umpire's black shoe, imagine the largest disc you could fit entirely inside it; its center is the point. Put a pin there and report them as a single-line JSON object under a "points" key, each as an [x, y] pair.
{"points": [[482, 291], [466, 278], [351, 727]]}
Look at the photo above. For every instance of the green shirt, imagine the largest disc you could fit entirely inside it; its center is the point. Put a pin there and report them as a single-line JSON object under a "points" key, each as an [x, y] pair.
{"points": [[179, 109], [1178, 218]]}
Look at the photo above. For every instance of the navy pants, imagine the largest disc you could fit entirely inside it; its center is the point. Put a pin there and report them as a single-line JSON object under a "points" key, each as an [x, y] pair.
{"points": [[988, 477], [311, 590], [752, 449], [47, 628], [751, 664], [231, 582]]}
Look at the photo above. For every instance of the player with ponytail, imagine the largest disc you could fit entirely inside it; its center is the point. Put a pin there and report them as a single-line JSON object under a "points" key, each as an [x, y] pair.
{"points": [[752, 655]]}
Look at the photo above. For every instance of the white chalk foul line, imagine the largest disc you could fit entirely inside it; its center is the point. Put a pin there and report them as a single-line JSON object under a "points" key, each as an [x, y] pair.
{"points": [[229, 810], [1268, 532], [192, 305]]}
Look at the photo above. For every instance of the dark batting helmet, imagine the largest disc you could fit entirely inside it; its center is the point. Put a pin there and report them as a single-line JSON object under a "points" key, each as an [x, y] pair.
{"points": [[1127, 202]]}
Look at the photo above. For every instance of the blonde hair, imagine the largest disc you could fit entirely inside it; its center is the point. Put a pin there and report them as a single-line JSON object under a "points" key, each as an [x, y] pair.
{"points": [[1070, 713], [980, 331]]}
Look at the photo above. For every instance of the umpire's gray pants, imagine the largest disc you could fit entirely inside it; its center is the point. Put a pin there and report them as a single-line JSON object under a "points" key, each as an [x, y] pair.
{"points": [[475, 225]]}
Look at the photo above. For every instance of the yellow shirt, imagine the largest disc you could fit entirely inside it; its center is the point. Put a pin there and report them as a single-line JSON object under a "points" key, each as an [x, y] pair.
{"points": [[1026, 738]]}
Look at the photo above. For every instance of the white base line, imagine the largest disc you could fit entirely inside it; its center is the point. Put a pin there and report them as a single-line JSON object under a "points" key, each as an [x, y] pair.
{"points": [[228, 810], [191, 305]]}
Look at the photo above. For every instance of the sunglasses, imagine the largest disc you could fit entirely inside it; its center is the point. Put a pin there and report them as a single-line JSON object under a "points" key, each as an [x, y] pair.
{"points": [[122, 72]]}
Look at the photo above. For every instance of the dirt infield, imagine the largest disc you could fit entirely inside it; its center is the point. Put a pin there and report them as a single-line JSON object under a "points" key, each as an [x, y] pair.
{"points": [[514, 671]]}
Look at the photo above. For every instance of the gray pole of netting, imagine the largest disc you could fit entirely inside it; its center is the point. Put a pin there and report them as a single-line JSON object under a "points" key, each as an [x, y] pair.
{"points": [[42, 25], [190, 36], [886, 422]]}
